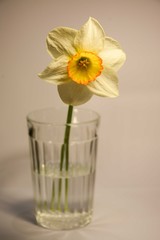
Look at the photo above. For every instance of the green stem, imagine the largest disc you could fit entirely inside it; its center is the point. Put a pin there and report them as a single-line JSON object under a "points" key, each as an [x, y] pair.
{"points": [[64, 147], [65, 154]]}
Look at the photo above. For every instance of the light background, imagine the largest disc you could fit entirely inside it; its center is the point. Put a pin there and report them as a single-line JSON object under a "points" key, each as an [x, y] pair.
{"points": [[129, 145]]}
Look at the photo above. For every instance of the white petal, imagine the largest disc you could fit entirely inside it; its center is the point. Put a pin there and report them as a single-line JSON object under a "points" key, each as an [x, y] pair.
{"points": [[90, 37], [60, 41], [56, 72], [106, 85], [112, 54], [111, 43], [74, 94]]}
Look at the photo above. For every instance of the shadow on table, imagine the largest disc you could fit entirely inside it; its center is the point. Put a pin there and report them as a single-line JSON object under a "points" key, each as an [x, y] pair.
{"points": [[22, 209], [15, 175]]}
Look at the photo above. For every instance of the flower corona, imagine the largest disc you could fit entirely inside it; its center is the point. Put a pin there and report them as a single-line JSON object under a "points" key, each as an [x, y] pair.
{"points": [[84, 67]]}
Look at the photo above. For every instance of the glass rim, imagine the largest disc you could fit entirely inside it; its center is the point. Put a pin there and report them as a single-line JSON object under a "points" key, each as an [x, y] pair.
{"points": [[31, 119]]}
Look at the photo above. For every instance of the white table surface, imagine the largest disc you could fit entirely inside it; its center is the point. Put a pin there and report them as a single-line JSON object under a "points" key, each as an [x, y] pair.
{"points": [[119, 213]]}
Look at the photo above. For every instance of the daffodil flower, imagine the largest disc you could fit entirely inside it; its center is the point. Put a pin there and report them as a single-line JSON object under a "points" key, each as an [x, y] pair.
{"points": [[84, 62]]}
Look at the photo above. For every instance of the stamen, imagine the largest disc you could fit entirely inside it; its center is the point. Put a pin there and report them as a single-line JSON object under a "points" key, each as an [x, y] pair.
{"points": [[83, 62]]}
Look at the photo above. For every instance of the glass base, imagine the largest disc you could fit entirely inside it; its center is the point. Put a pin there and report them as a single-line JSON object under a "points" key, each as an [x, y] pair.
{"points": [[63, 221]]}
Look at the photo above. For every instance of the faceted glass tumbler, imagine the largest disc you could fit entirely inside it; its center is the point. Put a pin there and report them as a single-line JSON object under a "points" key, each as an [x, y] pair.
{"points": [[63, 181]]}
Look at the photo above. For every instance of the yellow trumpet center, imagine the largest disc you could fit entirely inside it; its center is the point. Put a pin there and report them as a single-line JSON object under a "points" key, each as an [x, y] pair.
{"points": [[84, 67]]}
